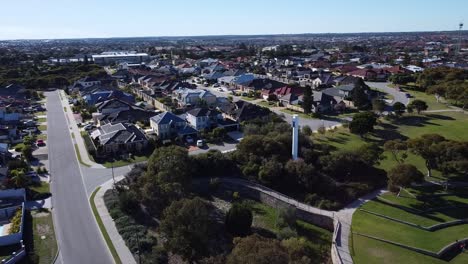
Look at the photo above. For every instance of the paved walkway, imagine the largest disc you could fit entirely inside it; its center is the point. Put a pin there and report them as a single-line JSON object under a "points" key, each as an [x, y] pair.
{"points": [[33, 205], [124, 253], [345, 216], [78, 140]]}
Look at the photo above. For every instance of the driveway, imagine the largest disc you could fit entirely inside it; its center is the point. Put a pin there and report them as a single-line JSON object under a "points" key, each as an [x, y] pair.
{"points": [[397, 95], [78, 237]]}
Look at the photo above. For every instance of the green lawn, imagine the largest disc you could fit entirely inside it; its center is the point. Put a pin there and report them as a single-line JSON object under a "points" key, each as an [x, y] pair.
{"points": [[108, 240], [428, 98], [367, 250], [42, 187], [120, 163], [245, 98], [79, 156], [373, 251], [40, 113], [451, 125], [288, 111], [42, 127], [267, 104], [42, 136], [45, 249], [42, 119]]}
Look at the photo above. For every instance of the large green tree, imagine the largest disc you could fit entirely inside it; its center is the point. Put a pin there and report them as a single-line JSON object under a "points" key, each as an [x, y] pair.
{"points": [[187, 227], [362, 123], [307, 100], [418, 105], [426, 147], [402, 175], [239, 219]]}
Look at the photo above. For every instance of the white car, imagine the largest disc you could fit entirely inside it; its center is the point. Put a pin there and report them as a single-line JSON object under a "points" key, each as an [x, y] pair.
{"points": [[200, 143]]}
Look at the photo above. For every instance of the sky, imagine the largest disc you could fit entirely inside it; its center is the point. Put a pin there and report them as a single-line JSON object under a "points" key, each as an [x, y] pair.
{"points": [[47, 19]]}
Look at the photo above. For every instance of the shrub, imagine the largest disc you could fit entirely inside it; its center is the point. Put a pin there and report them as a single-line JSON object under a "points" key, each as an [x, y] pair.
{"points": [[239, 220], [16, 222], [286, 233], [287, 217]]}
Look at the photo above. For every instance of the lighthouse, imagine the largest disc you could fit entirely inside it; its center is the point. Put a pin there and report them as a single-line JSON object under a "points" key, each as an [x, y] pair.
{"points": [[295, 137]]}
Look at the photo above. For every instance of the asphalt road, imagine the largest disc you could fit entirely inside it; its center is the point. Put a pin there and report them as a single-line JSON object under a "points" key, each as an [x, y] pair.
{"points": [[397, 95], [79, 238]]}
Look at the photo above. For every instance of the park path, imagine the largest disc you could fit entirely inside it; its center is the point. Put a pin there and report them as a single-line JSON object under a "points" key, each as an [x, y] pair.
{"points": [[78, 139], [122, 250]]}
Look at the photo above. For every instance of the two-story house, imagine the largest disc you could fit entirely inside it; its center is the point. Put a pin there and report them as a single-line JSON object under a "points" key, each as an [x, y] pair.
{"points": [[193, 97], [203, 118], [167, 126]]}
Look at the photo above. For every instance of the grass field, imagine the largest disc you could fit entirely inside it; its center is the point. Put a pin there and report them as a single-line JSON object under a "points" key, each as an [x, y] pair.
{"points": [[451, 125], [367, 250], [428, 98], [79, 156], [41, 120], [42, 127], [40, 113], [106, 236], [373, 251], [288, 111]]}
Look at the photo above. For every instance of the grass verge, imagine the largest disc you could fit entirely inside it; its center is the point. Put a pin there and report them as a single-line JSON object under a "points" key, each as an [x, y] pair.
{"points": [[108, 240], [79, 156]]}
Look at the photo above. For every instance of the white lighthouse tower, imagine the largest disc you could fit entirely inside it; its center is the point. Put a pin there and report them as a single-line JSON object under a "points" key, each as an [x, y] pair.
{"points": [[295, 137]]}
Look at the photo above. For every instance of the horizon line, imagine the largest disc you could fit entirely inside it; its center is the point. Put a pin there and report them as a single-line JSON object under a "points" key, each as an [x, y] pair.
{"points": [[237, 35]]}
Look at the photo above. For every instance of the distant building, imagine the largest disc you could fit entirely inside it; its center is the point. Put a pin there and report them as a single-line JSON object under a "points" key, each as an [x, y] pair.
{"points": [[111, 57]]}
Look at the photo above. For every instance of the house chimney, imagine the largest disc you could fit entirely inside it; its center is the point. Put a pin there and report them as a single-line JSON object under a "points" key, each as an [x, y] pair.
{"points": [[295, 137]]}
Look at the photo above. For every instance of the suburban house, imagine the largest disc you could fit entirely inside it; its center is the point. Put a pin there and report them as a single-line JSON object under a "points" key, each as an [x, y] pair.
{"points": [[193, 97], [203, 118], [274, 94], [119, 138], [111, 106], [88, 81], [168, 126], [241, 111], [323, 80], [104, 95], [133, 115], [262, 84]]}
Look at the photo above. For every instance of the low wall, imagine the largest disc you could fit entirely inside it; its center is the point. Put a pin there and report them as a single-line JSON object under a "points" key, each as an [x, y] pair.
{"points": [[323, 221]]}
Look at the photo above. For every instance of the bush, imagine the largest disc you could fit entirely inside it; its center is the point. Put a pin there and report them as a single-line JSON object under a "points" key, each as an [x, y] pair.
{"points": [[286, 233], [239, 220], [306, 130], [128, 202], [287, 218]]}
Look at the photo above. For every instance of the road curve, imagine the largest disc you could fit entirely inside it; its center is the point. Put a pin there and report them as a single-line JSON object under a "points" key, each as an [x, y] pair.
{"points": [[78, 237]]}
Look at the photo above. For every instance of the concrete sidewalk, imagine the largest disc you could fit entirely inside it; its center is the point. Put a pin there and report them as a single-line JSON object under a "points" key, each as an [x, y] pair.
{"points": [[124, 253], [78, 140]]}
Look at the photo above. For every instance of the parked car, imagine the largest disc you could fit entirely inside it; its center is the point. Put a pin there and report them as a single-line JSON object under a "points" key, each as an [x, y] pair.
{"points": [[189, 139], [31, 130], [216, 85], [408, 95], [200, 143], [89, 127], [40, 142]]}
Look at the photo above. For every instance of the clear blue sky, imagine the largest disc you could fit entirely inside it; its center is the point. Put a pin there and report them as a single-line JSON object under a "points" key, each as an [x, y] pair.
{"points": [[22, 19]]}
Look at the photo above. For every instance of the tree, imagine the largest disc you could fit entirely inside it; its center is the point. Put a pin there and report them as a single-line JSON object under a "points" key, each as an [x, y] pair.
{"points": [[19, 178], [396, 147], [239, 219], [399, 108], [259, 250], [425, 146], [378, 105], [27, 152], [359, 95], [402, 175], [418, 105], [306, 130], [186, 225], [362, 123], [307, 100]]}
